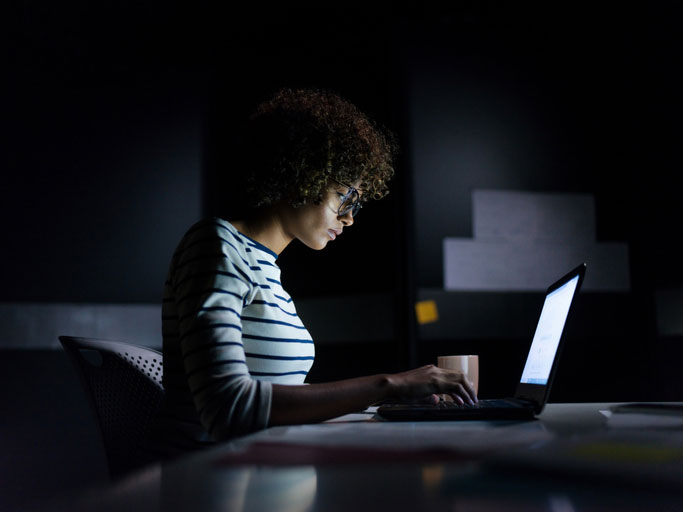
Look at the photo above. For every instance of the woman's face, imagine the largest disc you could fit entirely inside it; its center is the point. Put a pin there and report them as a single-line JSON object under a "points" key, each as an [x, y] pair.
{"points": [[315, 225]]}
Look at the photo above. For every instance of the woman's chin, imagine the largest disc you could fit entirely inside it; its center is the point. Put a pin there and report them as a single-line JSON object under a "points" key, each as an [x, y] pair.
{"points": [[316, 245]]}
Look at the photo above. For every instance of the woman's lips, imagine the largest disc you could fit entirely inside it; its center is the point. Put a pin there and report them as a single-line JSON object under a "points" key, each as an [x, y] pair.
{"points": [[334, 233]]}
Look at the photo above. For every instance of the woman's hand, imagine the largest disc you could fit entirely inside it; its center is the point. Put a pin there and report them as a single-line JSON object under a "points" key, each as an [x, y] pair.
{"points": [[428, 382]]}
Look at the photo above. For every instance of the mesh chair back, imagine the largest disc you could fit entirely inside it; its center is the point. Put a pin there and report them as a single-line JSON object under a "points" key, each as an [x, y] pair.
{"points": [[123, 384]]}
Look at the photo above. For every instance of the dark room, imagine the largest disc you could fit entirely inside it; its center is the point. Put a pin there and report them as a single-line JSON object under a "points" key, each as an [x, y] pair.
{"points": [[408, 207]]}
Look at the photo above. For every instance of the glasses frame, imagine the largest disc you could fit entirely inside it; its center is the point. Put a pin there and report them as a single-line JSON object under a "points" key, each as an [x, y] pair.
{"points": [[355, 206]]}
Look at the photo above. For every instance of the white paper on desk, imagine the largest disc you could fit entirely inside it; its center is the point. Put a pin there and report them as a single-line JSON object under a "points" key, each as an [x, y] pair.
{"points": [[353, 418], [470, 436], [641, 420]]}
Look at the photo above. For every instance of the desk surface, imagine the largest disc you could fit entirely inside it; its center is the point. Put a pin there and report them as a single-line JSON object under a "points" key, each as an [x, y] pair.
{"points": [[572, 458]]}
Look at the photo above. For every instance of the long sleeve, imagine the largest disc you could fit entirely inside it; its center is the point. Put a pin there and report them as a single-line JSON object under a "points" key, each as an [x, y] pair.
{"points": [[211, 285]]}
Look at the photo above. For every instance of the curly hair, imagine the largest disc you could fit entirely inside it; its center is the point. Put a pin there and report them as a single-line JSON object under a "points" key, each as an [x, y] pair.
{"points": [[300, 139]]}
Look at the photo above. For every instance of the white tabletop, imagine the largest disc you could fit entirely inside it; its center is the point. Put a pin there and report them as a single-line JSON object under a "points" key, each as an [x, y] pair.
{"points": [[574, 457]]}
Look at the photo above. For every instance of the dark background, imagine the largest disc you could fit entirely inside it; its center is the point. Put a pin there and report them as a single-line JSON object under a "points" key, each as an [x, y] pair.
{"points": [[121, 125]]}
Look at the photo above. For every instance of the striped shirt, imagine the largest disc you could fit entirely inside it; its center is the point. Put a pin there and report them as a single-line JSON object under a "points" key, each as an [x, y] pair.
{"points": [[229, 331]]}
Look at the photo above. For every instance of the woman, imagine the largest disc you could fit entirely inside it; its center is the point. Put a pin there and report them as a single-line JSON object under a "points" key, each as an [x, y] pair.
{"points": [[235, 352]]}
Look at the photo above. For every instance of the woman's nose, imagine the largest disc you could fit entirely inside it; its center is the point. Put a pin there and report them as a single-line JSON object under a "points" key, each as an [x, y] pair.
{"points": [[347, 218]]}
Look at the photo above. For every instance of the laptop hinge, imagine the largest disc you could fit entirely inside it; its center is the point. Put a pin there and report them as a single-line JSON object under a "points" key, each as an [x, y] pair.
{"points": [[527, 400]]}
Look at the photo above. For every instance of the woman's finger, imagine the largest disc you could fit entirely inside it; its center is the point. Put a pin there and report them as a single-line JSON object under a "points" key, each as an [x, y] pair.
{"points": [[465, 387], [462, 392], [457, 399], [470, 390]]}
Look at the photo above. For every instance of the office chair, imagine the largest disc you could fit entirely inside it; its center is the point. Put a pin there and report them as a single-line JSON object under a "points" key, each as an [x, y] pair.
{"points": [[124, 388]]}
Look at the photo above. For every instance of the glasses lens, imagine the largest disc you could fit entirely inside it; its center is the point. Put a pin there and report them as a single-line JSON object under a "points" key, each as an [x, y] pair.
{"points": [[350, 203]]}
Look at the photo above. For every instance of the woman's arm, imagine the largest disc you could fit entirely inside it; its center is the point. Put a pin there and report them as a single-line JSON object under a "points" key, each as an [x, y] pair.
{"points": [[209, 278], [318, 402]]}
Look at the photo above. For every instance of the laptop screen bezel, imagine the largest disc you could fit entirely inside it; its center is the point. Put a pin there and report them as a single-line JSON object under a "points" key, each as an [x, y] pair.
{"points": [[537, 394]]}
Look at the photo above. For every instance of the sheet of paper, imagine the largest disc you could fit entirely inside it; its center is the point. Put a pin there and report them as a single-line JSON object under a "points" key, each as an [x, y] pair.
{"points": [[641, 420], [354, 417]]}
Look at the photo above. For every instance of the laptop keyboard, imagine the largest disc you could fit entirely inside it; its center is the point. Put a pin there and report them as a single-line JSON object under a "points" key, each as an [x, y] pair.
{"points": [[482, 404]]}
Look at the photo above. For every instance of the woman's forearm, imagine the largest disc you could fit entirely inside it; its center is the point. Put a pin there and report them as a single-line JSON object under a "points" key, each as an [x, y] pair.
{"points": [[318, 402]]}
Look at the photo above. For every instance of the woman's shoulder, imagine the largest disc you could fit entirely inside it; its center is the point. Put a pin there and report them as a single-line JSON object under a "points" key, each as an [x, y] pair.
{"points": [[214, 233], [217, 233], [210, 226]]}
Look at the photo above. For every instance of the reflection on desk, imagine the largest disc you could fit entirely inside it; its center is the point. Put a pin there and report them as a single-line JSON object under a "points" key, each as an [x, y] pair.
{"points": [[568, 460]]}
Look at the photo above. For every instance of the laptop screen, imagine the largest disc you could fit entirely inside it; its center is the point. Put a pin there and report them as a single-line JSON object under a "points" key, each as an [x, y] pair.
{"points": [[548, 333]]}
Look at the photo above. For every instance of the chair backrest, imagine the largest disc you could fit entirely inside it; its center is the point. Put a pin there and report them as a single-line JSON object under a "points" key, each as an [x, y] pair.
{"points": [[123, 384]]}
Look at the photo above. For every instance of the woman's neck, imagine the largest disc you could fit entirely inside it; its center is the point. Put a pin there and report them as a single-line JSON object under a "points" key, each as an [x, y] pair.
{"points": [[266, 229]]}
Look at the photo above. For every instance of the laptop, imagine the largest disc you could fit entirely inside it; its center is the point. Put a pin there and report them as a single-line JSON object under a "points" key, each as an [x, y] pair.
{"points": [[537, 376]]}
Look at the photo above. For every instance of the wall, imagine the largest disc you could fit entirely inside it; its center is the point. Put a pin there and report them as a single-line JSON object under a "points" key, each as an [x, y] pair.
{"points": [[523, 105], [103, 149], [553, 100]]}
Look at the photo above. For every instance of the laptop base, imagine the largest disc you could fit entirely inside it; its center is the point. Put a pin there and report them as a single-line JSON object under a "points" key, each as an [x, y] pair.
{"points": [[496, 410]]}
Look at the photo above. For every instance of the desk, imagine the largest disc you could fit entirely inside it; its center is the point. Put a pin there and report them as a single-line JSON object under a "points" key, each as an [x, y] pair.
{"points": [[570, 459]]}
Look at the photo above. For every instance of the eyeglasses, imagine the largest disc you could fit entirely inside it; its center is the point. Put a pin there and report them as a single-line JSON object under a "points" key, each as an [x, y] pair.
{"points": [[350, 202]]}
